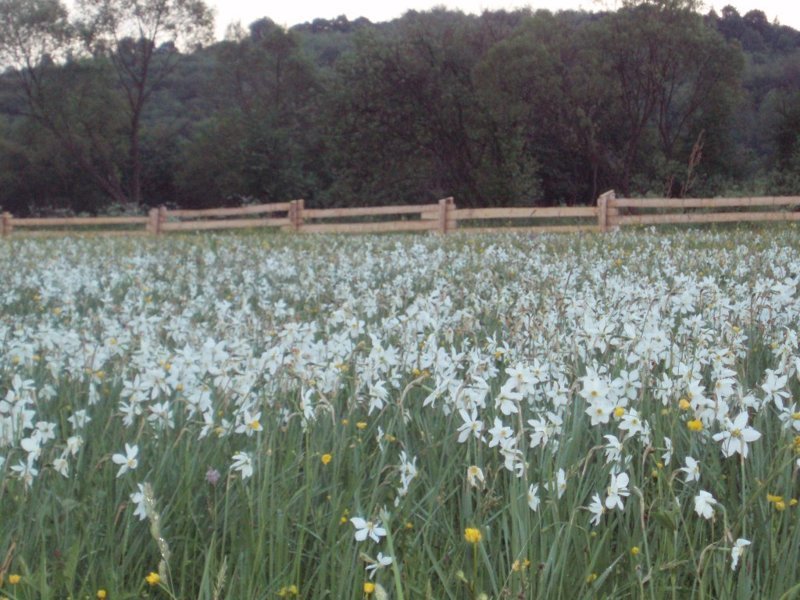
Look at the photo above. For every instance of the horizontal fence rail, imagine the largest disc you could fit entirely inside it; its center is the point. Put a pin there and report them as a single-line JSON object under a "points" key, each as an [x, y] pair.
{"points": [[442, 217], [661, 211]]}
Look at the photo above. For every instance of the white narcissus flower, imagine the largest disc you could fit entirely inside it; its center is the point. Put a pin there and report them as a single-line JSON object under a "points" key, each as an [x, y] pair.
{"points": [[364, 529], [773, 387], [616, 491], [737, 551], [533, 497], [560, 484], [667, 456], [380, 562], [600, 410], [692, 469], [138, 499], [597, 509], [242, 463], [127, 461], [736, 436], [613, 449], [61, 466], [704, 504], [471, 426], [500, 433], [475, 476]]}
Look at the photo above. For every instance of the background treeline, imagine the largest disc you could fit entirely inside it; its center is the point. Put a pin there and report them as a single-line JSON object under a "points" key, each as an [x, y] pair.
{"points": [[500, 109]]}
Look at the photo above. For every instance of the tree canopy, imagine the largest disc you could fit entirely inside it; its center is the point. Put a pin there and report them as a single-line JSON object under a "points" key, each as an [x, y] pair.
{"points": [[128, 102]]}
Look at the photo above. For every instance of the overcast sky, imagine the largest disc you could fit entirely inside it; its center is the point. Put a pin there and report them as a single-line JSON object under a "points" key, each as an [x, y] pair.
{"points": [[298, 11]]}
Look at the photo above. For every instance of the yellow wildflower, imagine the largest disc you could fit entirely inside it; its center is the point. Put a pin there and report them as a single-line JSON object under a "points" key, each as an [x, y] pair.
{"points": [[288, 591], [683, 404], [326, 458], [361, 425], [472, 535], [102, 594], [153, 578], [369, 587], [14, 579], [635, 551], [520, 565], [695, 425]]}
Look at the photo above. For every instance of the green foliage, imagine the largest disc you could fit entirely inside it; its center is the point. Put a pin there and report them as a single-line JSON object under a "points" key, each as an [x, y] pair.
{"points": [[499, 109]]}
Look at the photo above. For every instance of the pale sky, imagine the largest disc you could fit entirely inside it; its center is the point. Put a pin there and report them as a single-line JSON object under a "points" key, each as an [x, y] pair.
{"points": [[290, 12]]}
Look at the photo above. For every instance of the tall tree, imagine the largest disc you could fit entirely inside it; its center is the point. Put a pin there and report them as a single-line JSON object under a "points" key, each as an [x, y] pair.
{"points": [[545, 89], [262, 141], [59, 90], [408, 119], [667, 67], [142, 40]]}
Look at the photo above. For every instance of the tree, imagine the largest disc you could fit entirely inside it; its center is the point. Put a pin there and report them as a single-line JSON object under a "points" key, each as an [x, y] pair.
{"points": [[667, 67], [141, 40], [262, 140], [408, 122], [62, 92], [545, 89]]}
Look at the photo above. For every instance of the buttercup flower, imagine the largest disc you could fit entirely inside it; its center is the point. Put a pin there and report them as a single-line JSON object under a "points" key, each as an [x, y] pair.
{"points": [[472, 535]]}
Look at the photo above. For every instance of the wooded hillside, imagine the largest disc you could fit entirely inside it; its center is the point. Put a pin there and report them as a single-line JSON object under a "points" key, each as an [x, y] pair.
{"points": [[506, 108]]}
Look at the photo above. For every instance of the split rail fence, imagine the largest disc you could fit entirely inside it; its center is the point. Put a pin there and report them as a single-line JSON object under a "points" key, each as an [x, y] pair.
{"points": [[442, 217]]}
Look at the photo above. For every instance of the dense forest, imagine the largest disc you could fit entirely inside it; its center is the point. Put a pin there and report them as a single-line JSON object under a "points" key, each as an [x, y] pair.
{"points": [[505, 108]]}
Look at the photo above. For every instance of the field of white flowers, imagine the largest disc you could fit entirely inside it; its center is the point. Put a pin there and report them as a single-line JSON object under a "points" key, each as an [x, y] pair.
{"points": [[250, 417]]}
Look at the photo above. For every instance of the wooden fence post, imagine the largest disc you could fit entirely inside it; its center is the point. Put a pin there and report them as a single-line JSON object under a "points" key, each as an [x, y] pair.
{"points": [[7, 227], [445, 206], [162, 218], [602, 210], [297, 217], [152, 223]]}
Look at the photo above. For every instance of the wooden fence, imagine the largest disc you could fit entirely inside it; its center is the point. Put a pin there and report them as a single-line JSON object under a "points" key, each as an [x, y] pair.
{"points": [[618, 212], [442, 217]]}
